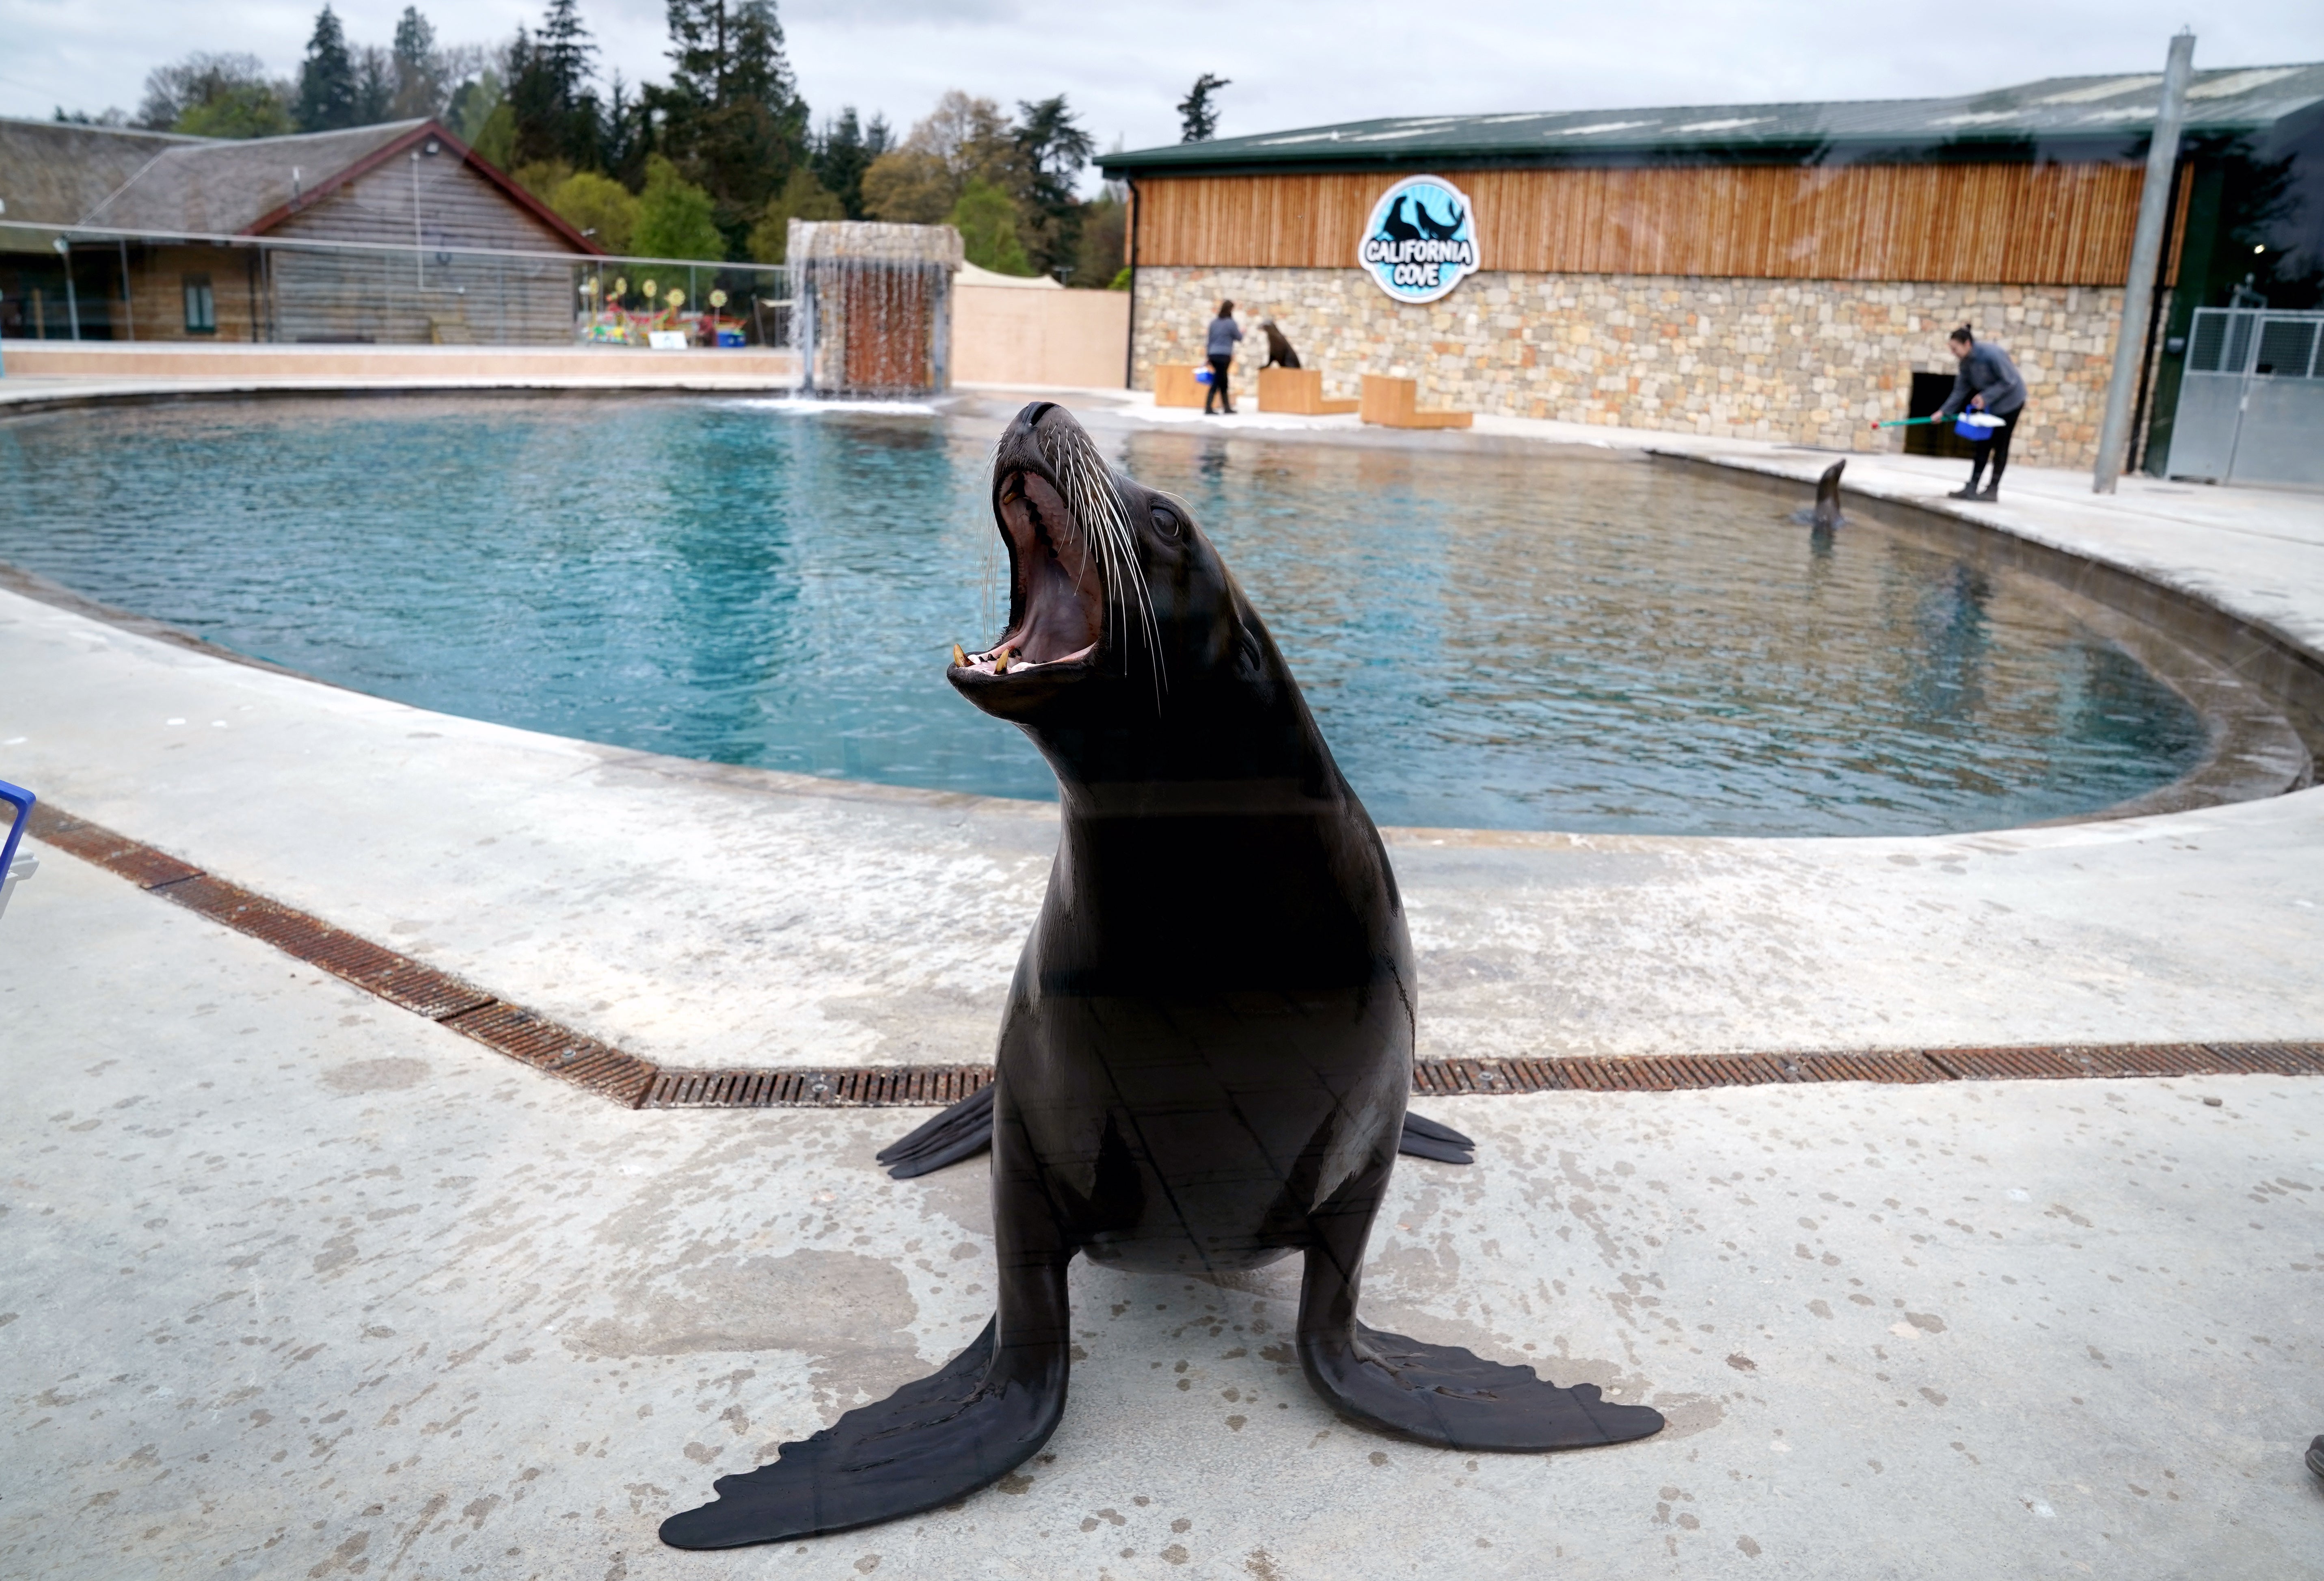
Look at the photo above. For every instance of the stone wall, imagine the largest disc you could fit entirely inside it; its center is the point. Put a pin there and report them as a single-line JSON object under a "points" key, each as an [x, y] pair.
{"points": [[1807, 362]]}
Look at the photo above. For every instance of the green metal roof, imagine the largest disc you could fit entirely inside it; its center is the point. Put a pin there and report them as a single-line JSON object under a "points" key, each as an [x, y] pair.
{"points": [[2117, 111]]}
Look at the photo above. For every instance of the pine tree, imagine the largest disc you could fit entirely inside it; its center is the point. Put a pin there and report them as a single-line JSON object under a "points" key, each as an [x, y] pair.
{"points": [[558, 119], [844, 153], [374, 86], [1198, 118], [1052, 150], [419, 77], [327, 81], [732, 118]]}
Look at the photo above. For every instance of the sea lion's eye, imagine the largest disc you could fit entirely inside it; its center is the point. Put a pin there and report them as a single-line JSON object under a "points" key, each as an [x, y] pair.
{"points": [[1165, 523]]}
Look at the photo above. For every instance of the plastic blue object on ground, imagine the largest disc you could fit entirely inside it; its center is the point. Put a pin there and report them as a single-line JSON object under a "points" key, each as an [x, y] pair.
{"points": [[19, 803]]}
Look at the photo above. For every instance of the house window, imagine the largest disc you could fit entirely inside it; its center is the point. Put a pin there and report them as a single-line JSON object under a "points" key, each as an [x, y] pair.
{"points": [[201, 307]]}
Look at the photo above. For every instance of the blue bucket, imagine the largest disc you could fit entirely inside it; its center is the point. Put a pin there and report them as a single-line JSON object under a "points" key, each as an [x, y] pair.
{"points": [[1976, 427]]}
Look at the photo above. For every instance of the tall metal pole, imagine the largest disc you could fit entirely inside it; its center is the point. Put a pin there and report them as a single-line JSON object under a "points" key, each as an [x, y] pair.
{"points": [[2145, 253]]}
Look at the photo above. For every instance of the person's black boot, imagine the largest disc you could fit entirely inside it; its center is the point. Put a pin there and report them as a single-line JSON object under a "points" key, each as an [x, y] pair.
{"points": [[1966, 491], [1992, 492], [2315, 1455]]}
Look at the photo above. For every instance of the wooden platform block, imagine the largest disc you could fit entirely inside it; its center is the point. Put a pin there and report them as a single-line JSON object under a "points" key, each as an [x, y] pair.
{"points": [[1395, 404], [1299, 391], [1174, 384]]}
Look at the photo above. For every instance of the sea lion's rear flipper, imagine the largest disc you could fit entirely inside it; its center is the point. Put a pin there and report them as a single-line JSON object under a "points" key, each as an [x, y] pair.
{"points": [[961, 1132], [929, 1443], [965, 1130], [1437, 1393]]}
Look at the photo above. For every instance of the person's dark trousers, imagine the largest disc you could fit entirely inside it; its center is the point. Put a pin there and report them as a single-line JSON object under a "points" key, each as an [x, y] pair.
{"points": [[1996, 450], [1219, 391]]}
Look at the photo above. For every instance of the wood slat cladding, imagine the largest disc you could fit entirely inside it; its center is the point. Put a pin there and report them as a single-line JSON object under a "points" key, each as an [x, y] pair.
{"points": [[2020, 223]]}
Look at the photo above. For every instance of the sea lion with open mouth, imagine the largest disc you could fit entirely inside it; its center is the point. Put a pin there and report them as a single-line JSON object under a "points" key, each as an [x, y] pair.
{"points": [[1208, 1045]]}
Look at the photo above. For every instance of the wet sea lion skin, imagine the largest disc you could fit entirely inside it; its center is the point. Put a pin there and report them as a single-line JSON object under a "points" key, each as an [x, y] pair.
{"points": [[1208, 1044]]}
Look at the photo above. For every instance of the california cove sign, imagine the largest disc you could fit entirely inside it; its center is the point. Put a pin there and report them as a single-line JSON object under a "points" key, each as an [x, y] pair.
{"points": [[1422, 239]]}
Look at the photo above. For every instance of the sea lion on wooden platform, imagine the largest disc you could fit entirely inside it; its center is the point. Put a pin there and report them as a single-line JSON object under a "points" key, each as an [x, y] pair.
{"points": [[1280, 354], [1208, 1045]]}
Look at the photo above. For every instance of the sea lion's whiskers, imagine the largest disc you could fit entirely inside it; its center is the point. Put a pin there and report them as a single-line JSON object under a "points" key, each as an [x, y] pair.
{"points": [[1095, 504]]}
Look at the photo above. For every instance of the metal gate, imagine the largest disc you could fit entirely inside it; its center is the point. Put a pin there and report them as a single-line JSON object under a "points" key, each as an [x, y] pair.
{"points": [[2251, 405]]}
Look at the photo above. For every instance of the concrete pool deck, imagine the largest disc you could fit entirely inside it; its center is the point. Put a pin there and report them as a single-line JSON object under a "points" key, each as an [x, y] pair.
{"points": [[325, 1286]]}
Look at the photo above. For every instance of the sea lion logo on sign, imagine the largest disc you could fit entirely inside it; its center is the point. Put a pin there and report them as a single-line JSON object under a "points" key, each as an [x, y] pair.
{"points": [[1422, 239]]}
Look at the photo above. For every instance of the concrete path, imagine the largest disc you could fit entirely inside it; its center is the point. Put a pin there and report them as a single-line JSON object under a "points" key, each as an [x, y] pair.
{"points": [[303, 1287]]}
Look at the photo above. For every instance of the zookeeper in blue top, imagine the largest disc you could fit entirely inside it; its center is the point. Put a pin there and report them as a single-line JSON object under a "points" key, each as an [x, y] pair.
{"points": [[1987, 382]]}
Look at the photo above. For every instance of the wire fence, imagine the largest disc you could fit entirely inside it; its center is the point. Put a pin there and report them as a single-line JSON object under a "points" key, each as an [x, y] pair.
{"points": [[81, 283]]}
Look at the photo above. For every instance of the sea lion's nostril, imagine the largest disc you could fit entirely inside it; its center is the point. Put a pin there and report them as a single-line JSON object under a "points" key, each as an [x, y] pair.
{"points": [[1033, 414]]}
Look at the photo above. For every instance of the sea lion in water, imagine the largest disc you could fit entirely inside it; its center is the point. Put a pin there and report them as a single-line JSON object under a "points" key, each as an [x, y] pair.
{"points": [[1208, 1044], [1826, 514]]}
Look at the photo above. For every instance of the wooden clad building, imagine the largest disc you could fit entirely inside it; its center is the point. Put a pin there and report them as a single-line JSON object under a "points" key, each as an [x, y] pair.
{"points": [[1778, 271], [149, 222]]}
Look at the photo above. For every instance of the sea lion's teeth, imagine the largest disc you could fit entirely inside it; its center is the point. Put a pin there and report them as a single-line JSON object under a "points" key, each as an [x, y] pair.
{"points": [[959, 659]]}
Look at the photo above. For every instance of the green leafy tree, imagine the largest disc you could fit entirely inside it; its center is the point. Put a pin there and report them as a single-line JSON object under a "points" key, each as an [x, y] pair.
{"points": [[1104, 242], [472, 104], [255, 110], [495, 141], [600, 207], [1052, 151], [987, 222], [731, 116], [962, 140], [418, 67], [1198, 116], [802, 198], [216, 95], [676, 218], [327, 90]]}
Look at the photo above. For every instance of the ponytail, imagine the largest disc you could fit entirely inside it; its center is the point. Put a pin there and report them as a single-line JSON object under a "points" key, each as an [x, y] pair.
{"points": [[1964, 336]]}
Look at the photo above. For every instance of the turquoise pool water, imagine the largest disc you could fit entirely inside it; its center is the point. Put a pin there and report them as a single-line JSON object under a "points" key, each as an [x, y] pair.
{"points": [[1503, 641]]}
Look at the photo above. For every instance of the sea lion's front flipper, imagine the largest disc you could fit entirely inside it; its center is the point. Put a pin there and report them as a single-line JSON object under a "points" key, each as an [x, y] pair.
{"points": [[965, 1130], [961, 1132], [1424, 1138], [929, 1443], [1437, 1393]]}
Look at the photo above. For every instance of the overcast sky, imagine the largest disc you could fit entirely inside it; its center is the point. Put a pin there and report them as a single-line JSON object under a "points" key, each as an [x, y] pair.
{"points": [[1126, 63]]}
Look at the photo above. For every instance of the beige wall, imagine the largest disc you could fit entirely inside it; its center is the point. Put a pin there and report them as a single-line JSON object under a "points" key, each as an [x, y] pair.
{"points": [[754, 367], [1798, 361], [1018, 335]]}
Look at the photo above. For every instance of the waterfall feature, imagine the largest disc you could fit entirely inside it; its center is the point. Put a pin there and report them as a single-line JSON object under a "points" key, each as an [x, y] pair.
{"points": [[873, 312]]}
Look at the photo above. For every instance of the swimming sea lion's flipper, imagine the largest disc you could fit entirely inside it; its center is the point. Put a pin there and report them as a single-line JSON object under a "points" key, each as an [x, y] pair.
{"points": [[1437, 1393], [1827, 504], [965, 1130]]}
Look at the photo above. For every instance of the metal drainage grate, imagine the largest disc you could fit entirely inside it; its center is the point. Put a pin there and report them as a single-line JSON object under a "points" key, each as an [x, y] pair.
{"points": [[553, 1048], [398, 979], [141, 864], [935, 1086], [557, 1049]]}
